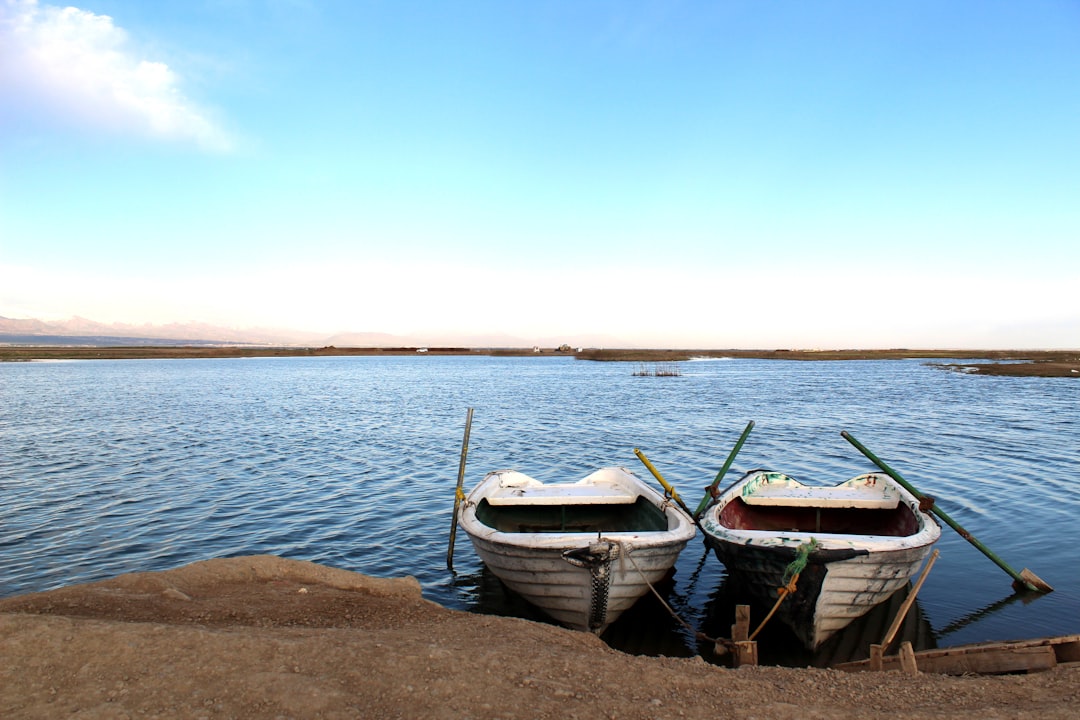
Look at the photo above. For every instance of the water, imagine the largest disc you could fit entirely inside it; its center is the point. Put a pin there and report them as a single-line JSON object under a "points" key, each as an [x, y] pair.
{"points": [[108, 467]]}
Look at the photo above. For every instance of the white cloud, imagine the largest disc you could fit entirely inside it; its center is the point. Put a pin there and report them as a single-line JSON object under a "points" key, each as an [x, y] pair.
{"points": [[81, 68]]}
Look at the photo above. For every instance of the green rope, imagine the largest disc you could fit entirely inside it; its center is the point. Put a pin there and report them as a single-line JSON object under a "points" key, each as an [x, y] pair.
{"points": [[799, 563]]}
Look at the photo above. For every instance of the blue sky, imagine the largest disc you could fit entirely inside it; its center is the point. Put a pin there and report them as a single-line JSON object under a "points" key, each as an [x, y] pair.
{"points": [[670, 174]]}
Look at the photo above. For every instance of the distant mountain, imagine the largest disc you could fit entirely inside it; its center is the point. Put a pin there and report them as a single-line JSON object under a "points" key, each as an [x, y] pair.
{"points": [[81, 331], [354, 339], [30, 331]]}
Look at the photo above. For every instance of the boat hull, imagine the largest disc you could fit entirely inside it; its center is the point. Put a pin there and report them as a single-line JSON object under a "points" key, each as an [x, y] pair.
{"points": [[583, 580], [846, 574]]}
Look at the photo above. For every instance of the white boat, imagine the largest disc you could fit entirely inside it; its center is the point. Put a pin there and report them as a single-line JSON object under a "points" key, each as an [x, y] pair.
{"points": [[581, 552], [862, 540]]}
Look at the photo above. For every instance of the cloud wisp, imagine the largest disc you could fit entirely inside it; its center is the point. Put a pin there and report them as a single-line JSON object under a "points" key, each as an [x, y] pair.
{"points": [[81, 69]]}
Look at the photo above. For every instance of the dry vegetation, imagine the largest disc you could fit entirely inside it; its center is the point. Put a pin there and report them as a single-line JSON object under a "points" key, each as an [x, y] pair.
{"points": [[1044, 363]]}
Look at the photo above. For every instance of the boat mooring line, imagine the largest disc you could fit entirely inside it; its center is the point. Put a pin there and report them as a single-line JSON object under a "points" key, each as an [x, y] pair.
{"points": [[727, 644], [790, 580]]}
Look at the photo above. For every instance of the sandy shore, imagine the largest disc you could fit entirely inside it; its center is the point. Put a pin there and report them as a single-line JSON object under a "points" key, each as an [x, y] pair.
{"points": [[263, 637]]}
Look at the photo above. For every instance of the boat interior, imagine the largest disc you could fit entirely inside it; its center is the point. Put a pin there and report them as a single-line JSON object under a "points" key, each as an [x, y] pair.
{"points": [[639, 516], [898, 521]]}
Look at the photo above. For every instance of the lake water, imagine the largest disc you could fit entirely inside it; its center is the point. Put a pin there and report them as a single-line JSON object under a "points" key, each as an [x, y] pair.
{"points": [[109, 467]]}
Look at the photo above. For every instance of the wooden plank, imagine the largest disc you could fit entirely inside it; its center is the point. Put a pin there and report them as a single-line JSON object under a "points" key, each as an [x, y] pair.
{"points": [[1067, 651], [992, 661], [822, 497], [1017, 656]]}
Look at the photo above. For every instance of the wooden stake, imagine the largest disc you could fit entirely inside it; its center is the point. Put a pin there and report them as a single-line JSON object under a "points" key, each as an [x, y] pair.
{"points": [[740, 631], [907, 658], [876, 652], [745, 653]]}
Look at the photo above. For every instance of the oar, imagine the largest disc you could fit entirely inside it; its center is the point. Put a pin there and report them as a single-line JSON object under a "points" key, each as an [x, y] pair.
{"points": [[660, 478], [908, 602], [459, 495], [711, 490], [1025, 578]]}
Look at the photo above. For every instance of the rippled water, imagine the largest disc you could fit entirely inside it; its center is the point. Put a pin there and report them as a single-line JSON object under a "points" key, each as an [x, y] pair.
{"points": [[109, 467]]}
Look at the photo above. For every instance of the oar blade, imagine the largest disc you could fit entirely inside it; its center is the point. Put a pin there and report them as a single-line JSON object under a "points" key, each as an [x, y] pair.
{"points": [[1035, 581]]}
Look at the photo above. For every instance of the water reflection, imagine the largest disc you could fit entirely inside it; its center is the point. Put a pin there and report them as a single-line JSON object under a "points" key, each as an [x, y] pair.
{"points": [[778, 645], [649, 628], [119, 466], [1023, 596]]}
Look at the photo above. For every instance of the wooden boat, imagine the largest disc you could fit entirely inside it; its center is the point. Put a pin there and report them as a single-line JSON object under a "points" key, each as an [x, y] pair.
{"points": [[581, 552], [862, 540]]}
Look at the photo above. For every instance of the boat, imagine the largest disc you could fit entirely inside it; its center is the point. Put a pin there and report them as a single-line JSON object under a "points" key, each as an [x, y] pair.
{"points": [[861, 541], [582, 552]]}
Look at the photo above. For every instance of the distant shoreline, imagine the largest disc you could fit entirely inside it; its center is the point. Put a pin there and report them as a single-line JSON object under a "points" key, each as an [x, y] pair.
{"points": [[1031, 363]]}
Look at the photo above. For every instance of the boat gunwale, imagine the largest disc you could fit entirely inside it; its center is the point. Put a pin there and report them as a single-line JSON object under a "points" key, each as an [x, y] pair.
{"points": [[681, 527], [928, 531]]}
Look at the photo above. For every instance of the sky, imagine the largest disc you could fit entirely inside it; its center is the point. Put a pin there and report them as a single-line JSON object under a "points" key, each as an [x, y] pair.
{"points": [[724, 174]]}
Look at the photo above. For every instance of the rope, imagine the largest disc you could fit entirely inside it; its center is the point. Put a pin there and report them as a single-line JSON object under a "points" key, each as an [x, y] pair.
{"points": [[697, 635], [799, 563], [790, 579]]}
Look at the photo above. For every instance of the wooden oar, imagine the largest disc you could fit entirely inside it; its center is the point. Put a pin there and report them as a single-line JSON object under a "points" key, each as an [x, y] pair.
{"points": [[458, 494], [710, 492], [908, 601], [660, 478], [877, 652], [1025, 578]]}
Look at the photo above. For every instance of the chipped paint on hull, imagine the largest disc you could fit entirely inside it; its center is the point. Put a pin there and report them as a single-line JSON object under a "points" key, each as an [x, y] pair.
{"points": [[544, 567]]}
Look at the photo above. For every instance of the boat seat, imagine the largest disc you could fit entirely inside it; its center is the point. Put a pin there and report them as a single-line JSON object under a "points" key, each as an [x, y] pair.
{"points": [[566, 494], [827, 497]]}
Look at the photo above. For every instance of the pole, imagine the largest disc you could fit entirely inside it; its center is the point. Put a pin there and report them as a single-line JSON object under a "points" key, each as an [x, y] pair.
{"points": [[710, 492], [660, 478], [908, 602], [459, 495], [1026, 579]]}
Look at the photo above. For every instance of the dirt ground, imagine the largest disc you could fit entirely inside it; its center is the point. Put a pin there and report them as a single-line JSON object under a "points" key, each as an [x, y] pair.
{"points": [[263, 637]]}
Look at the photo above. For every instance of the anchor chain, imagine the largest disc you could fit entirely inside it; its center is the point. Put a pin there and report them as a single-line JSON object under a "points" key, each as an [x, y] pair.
{"points": [[597, 559]]}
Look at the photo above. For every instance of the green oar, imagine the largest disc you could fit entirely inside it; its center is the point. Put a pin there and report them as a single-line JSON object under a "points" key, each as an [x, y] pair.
{"points": [[458, 495], [710, 492], [1025, 578]]}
